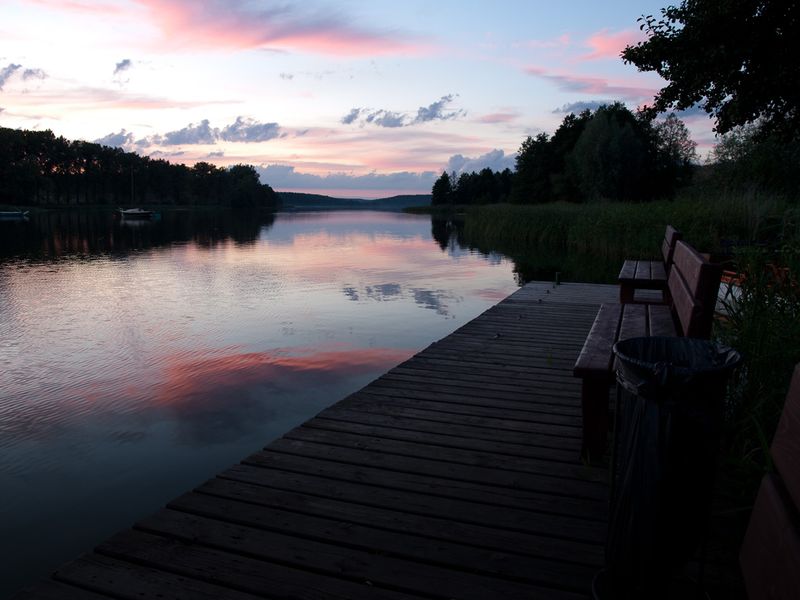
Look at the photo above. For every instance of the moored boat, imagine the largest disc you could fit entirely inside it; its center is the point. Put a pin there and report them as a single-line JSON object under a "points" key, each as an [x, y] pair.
{"points": [[135, 213], [13, 215]]}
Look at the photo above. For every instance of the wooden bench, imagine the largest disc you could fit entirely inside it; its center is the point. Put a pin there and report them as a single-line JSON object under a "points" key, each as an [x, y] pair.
{"points": [[770, 554], [693, 285], [648, 274]]}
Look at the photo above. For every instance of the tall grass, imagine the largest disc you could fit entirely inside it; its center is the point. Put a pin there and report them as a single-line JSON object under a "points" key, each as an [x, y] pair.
{"points": [[615, 231], [764, 325]]}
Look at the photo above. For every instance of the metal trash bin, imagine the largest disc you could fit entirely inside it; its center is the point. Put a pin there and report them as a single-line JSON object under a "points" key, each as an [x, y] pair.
{"points": [[668, 419]]}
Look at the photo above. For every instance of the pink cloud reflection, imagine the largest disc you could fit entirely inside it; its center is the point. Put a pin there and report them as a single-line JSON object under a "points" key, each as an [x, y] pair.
{"points": [[236, 25], [188, 376]]}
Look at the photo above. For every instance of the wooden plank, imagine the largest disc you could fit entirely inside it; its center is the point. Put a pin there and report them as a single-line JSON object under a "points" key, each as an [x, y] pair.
{"points": [[371, 513], [347, 459], [461, 501], [557, 434], [125, 579], [642, 271], [658, 274], [421, 449], [556, 402], [671, 237], [52, 590], [415, 430], [595, 357], [660, 322], [628, 270], [634, 322], [406, 544], [462, 408], [701, 276], [362, 414], [786, 443], [235, 571], [506, 374], [687, 312], [346, 562], [432, 388], [770, 555], [478, 379]]}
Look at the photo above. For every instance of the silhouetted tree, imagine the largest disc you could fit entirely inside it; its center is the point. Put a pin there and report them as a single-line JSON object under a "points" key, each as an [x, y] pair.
{"points": [[611, 159], [442, 190], [534, 165], [677, 152], [562, 185], [735, 58]]}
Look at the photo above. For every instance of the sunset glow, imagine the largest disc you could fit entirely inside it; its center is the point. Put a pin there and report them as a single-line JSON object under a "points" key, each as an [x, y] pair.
{"points": [[346, 98]]}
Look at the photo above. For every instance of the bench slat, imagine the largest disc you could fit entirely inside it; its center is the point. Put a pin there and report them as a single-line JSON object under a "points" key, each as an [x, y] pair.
{"points": [[786, 443], [643, 271], [660, 321], [634, 322], [628, 269], [671, 237], [682, 302], [657, 272], [693, 284], [595, 357], [702, 275]]}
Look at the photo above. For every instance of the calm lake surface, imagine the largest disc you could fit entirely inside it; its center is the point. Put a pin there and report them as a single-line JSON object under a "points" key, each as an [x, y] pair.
{"points": [[139, 359]]}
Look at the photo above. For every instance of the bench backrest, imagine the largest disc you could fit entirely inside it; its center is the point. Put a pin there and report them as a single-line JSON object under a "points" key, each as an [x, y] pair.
{"points": [[693, 286], [671, 237]]}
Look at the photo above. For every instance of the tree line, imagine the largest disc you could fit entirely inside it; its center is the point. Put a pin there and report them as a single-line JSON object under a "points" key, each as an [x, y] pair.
{"points": [[611, 153], [39, 169]]}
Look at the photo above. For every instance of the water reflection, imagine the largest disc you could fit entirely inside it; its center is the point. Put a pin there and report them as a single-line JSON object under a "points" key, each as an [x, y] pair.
{"points": [[530, 264], [58, 233], [135, 362]]}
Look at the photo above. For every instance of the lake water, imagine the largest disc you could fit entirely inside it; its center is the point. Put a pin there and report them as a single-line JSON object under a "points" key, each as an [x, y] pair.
{"points": [[139, 359]]}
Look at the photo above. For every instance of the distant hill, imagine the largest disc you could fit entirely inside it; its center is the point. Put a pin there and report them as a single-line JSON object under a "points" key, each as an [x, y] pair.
{"points": [[311, 201]]}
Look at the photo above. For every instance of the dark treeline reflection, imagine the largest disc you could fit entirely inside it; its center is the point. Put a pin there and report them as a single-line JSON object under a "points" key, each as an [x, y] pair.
{"points": [[53, 234], [541, 264]]}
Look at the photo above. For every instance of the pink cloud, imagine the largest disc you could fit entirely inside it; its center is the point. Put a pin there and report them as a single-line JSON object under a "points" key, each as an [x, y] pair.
{"points": [[609, 45], [236, 25], [92, 98], [498, 117], [98, 8], [595, 86]]}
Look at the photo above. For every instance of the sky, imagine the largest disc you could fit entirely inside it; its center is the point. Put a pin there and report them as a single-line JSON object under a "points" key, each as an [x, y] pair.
{"points": [[348, 98]]}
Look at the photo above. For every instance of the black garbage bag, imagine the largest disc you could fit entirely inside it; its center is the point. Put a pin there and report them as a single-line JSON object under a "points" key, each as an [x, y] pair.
{"points": [[670, 402]]}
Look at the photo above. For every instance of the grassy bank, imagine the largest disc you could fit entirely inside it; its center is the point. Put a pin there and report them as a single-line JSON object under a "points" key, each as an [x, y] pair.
{"points": [[614, 231]]}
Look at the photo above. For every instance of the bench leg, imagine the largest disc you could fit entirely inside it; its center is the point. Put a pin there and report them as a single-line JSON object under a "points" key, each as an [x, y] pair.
{"points": [[626, 293], [594, 405]]}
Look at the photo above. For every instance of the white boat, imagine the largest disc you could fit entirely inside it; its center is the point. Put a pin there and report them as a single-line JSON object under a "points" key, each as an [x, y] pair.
{"points": [[13, 215], [135, 213]]}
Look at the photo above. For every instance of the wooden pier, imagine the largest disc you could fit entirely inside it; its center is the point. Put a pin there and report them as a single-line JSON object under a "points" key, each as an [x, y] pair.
{"points": [[456, 475]]}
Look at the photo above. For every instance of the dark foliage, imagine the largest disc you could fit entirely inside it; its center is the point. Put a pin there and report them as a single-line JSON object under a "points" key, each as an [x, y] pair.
{"points": [[39, 169], [442, 191], [485, 187], [735, 58], [611, 154]]}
